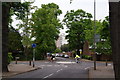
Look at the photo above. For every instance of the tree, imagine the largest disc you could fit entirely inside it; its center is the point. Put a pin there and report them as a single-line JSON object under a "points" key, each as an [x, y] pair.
{"points": [[45, 28], [5, 20], [115, 36], [65, 47], [25, 26], [6, 7], [57, 50], [104, 46], [14, 42], [77, 22]]}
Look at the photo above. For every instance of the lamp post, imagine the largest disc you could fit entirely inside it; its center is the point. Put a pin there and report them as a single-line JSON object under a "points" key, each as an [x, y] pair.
{"points": [[94, 34]]}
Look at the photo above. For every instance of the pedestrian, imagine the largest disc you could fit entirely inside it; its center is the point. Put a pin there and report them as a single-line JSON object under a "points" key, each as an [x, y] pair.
{"points": [[77, 57]]}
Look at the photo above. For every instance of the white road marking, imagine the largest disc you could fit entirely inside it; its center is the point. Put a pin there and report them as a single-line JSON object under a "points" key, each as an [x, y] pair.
{"points": [[65, 62], [49, 65], [46, 62], [40, 67], [59, 70], [48, 76], [66, 66], [109, 64], [57, 65], [86, 68]]}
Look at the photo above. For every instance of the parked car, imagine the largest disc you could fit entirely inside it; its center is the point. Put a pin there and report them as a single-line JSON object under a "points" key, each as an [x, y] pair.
{"points": [[57, 55], [66, 56], [61, 55]]}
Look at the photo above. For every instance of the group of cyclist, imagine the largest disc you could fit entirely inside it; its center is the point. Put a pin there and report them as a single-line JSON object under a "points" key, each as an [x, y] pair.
{"points": [[52, 58]]}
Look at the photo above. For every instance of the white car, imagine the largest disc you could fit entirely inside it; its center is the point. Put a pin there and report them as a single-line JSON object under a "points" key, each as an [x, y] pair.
{"points": [[57, 55], [66, 56]]}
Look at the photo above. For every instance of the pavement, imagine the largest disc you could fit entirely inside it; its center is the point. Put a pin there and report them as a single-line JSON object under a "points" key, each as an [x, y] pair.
{"points": [[102, 72], [15, 69]]}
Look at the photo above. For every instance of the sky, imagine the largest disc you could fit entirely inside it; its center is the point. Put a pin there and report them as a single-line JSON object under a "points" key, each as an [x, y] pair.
{"points": [[102, 7]]}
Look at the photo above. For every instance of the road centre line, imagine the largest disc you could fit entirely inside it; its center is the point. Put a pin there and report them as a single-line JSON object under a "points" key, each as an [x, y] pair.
{"points": [[48, 75], [59, 70], [51, 74]]}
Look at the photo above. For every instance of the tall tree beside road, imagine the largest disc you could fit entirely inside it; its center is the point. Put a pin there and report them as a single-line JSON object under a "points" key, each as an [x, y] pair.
{"points": [[14, 40], [104, 46], [5, 20], [77, 22], [65, 47], [25, 27], [115, 35], [45, 28], [17, 7]]}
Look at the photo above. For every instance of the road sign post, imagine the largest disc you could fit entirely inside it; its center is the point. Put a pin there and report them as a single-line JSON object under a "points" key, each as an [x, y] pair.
{"points": [[34, 57], [33, 45]]}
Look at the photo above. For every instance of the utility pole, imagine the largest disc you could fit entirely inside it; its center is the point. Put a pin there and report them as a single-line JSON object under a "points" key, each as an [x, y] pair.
{"points": [[94, 34]]}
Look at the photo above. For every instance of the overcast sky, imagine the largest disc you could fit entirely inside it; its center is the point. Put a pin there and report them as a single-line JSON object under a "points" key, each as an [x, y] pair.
{"points": [[102, 7]]}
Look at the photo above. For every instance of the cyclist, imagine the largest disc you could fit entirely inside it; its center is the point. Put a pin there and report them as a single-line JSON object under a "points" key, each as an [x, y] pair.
{"points": [[77, 57]]}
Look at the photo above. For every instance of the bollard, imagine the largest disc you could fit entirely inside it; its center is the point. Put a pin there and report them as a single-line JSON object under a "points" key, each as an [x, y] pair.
{"points": [[15, 61], [30, 62], [16, 58], [106, 63]]}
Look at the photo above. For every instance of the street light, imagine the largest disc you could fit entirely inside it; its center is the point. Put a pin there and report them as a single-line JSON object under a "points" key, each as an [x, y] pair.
{"points": [[94, 34]]}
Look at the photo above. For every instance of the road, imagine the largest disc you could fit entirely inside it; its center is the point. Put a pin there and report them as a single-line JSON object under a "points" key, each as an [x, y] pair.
{"points": [[61, 68]]}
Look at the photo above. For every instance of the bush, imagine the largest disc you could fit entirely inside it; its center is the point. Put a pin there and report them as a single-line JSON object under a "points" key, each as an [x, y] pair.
{"points": [[86, 57], [10, 57]]}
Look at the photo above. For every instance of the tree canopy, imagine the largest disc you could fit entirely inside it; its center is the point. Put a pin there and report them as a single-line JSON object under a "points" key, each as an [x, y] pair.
{"points": [[77, 22], [14, 42], [45, 27], [104, 46]]}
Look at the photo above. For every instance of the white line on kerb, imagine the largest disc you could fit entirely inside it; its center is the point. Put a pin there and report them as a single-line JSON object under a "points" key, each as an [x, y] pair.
{"points": [[48, 75]]}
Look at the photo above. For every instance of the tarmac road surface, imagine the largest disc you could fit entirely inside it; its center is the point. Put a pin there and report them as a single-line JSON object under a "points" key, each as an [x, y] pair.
{"points": [[62, 68]]}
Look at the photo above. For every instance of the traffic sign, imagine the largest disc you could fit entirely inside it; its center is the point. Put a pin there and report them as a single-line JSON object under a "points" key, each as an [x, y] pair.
{"points": [[97, 38], [33, 45]]}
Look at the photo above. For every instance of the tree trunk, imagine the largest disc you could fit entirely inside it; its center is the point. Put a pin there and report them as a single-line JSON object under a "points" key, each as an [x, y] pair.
{"points": [[78, 52], [26, 52], [5, 20], [115, 36]]}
